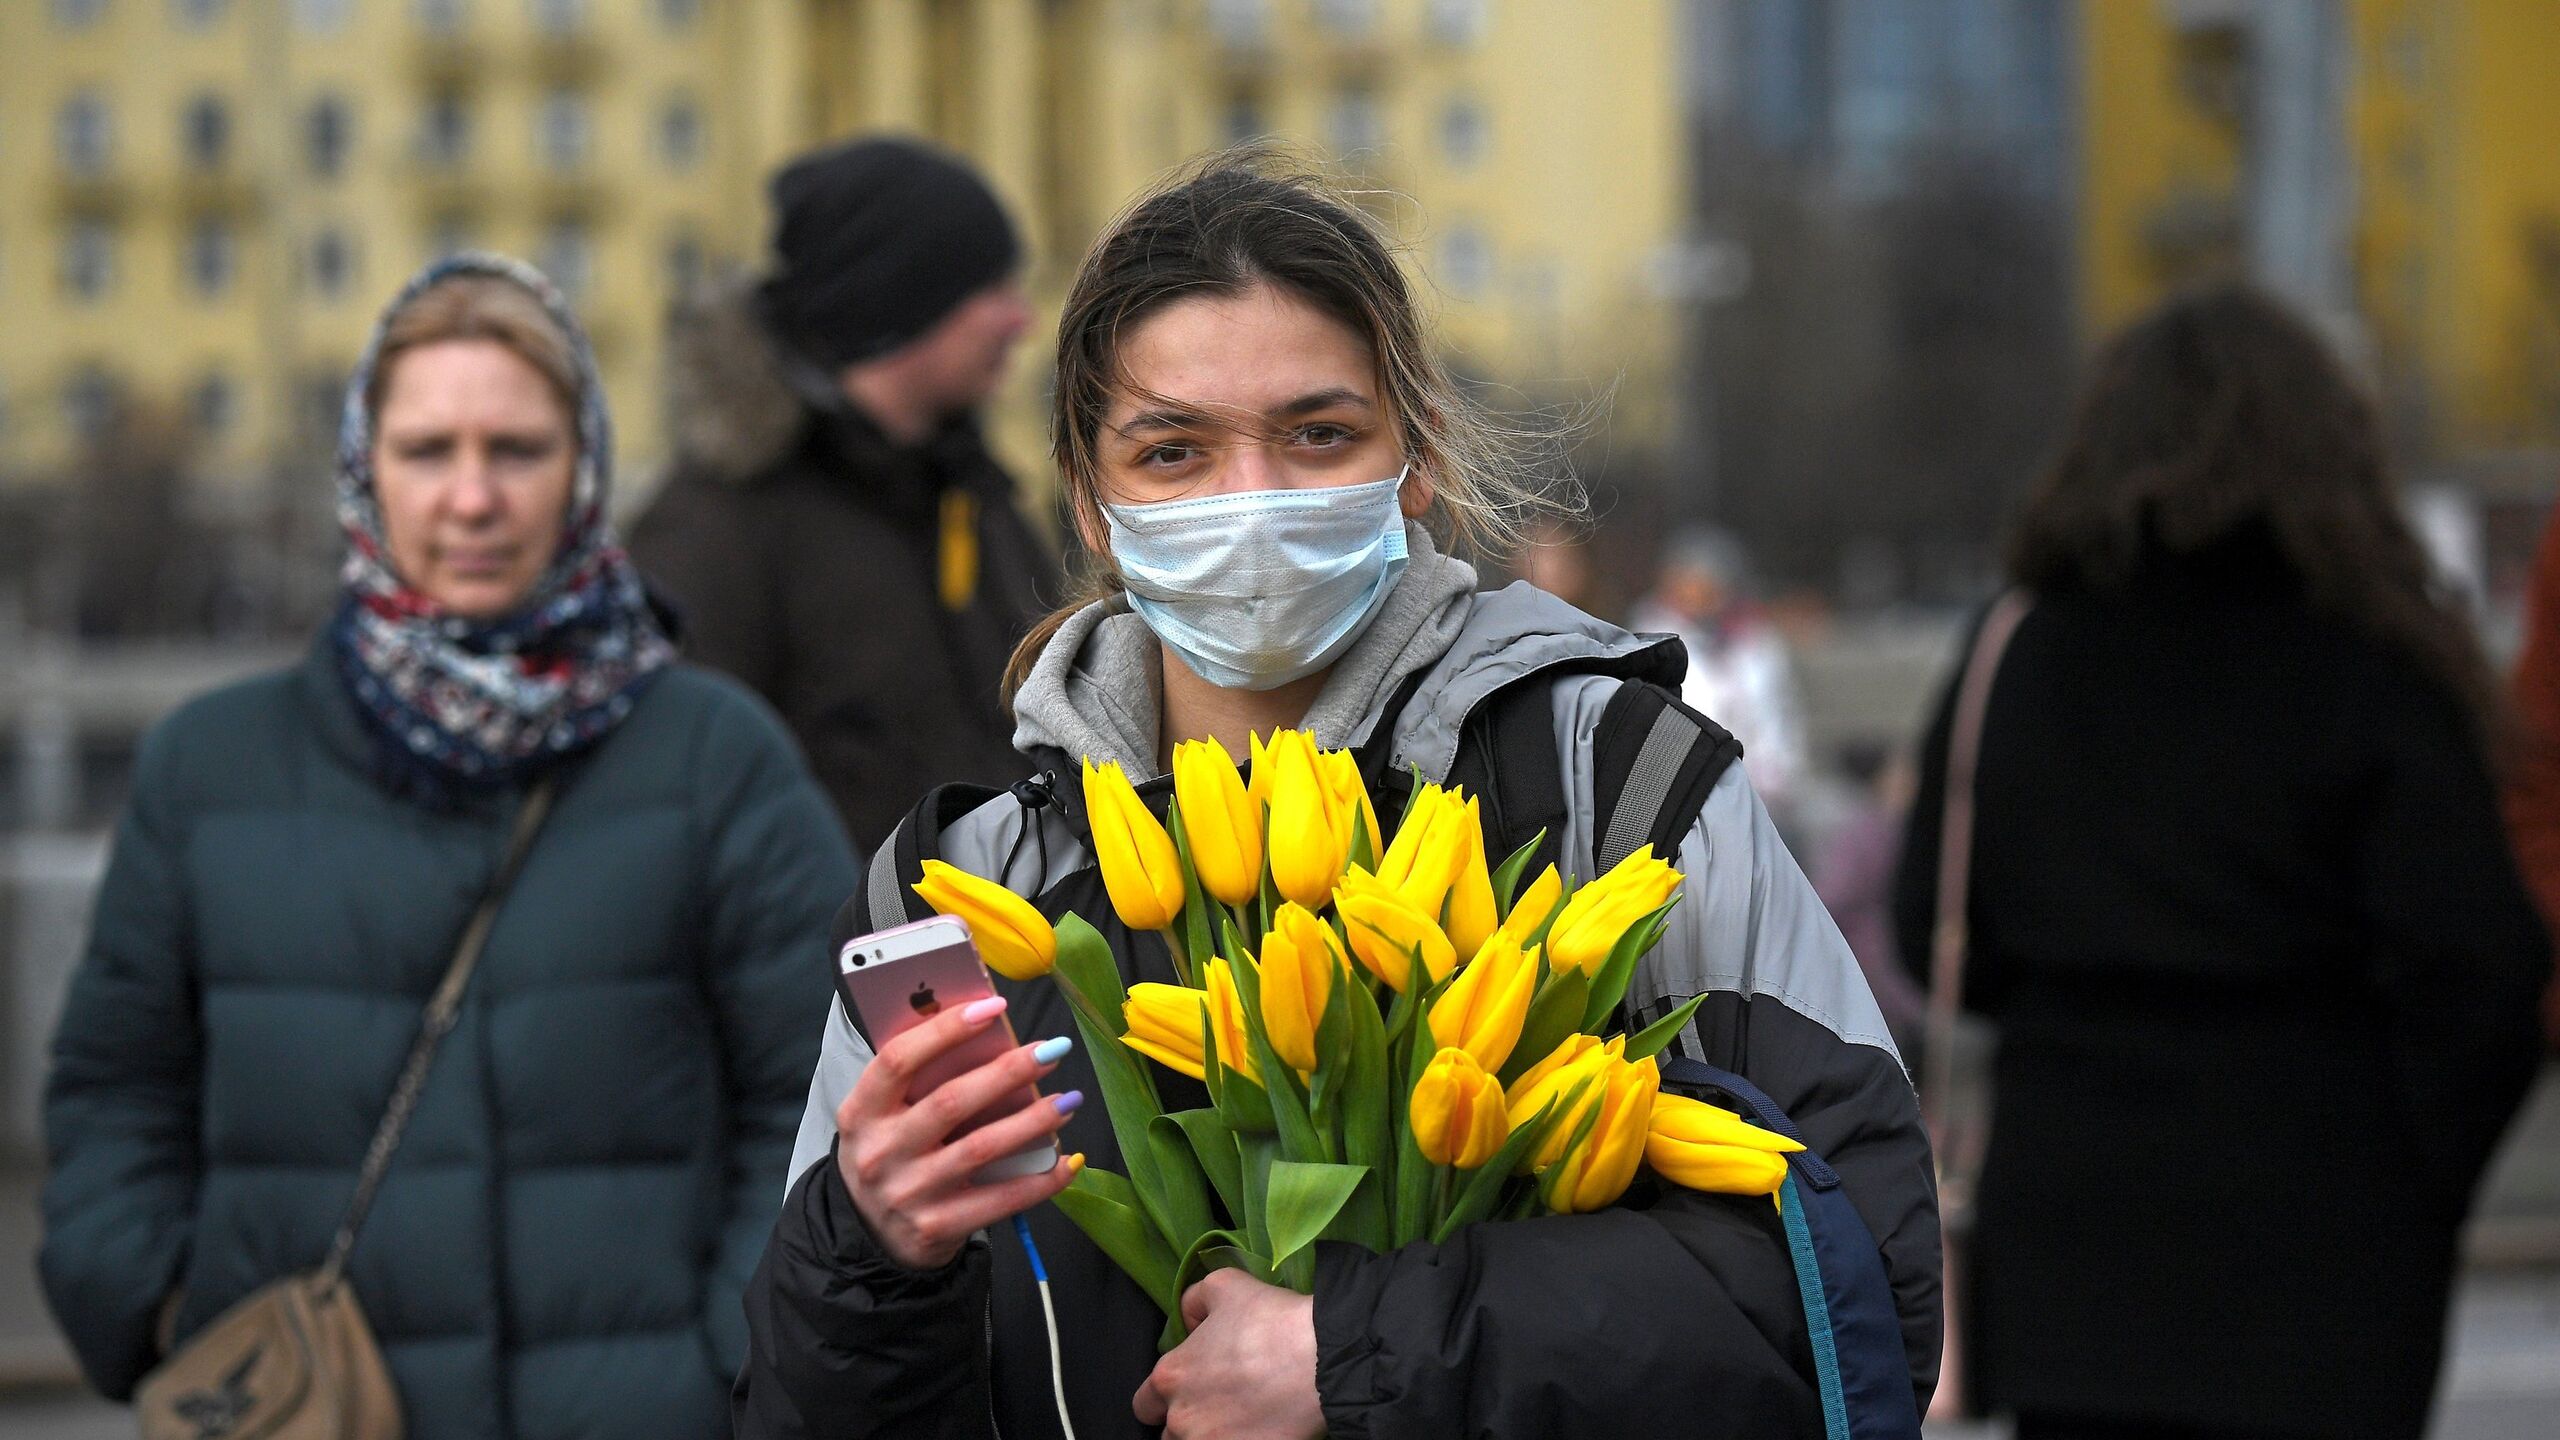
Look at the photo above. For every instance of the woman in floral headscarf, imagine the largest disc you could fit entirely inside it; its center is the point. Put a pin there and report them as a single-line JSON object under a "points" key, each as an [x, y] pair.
{"points": [[560, 1242]]}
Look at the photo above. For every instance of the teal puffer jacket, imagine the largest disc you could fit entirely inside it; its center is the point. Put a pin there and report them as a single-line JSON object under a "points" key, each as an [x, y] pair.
{"points": [[561, 1242]]}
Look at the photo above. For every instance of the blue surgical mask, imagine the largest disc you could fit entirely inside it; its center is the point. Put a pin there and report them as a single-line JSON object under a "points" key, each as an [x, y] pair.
{"points": [[1256, 588]]}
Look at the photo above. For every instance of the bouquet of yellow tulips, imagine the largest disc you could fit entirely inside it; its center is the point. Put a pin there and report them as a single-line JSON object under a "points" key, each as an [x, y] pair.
{"points": [[1413, 1043]]}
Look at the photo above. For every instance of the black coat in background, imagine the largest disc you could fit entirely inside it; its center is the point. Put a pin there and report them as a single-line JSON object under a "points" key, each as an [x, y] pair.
{"points": [[2264, 976], [802, 553]]}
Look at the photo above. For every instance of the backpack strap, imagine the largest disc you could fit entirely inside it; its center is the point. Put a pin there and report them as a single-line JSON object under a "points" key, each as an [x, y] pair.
{"points": [[1507, 759], [889, 880], [1653, 762], [1858, 1355]]}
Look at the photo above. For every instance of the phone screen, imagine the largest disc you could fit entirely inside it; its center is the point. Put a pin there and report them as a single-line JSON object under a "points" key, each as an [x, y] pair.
{"points": [[897, 979]]}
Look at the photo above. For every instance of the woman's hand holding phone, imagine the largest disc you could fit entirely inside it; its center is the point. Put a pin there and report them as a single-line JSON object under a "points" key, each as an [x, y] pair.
{"points": [[908, 1176]]}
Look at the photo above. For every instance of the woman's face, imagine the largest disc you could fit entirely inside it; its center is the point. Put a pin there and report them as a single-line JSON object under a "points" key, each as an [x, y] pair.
{"points": [[474, 456], [1252, 391]]}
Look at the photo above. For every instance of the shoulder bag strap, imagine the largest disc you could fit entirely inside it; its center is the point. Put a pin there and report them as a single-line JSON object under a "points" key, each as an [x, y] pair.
{"points": [[1952, 934], [442, 1010]]}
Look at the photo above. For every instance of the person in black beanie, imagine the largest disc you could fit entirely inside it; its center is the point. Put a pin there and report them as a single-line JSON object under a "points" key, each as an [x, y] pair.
{"points": [[834, 531]]}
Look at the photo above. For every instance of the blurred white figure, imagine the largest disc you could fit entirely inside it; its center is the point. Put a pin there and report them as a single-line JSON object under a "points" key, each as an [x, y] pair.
{"points": [[1739, 673]]}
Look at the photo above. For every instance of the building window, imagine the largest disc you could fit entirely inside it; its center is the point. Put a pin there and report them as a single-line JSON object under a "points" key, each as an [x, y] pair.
{"points": [[78, 14], [678, 14], [563, 130], [442, 17], [1466, 262], [1462, 132], [329, 133], [559, 17], [90, 402], [198, 14], [680, 133], [684, 264], [1353, 124], [1240, 24], [82, 137], [1457, 22], [213, 258], [329, 265], [1350, 19], [444, 130], [566, 255], [322, 17], [205, 132], [214, 405], [88, 259]]}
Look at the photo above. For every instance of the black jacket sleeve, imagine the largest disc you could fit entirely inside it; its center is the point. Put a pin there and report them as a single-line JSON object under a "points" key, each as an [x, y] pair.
{"points": [[846, 1343], [698, 543]]}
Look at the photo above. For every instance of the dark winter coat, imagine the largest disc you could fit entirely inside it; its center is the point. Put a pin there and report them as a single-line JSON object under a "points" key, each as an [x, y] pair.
{"points": [[802, 551], [2264, 977], [560, 1243], [1672, 1313]]}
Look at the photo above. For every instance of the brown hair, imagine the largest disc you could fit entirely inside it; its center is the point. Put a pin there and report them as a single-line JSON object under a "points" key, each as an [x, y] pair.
{"points": [[2220, 414], [1248, 217], [472, 306]]}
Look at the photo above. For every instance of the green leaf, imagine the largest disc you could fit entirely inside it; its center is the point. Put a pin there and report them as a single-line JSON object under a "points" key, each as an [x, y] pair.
{"points": [[1365, 1136], [1103, 1206], [1334, 1067], [1181, 1187], [1299, 1138], [1129, 1098], [1196, 937], [1213, 1144], [1609, 983], [1506, 880], [1090, 972], [1304, 1199], [1648, 1042], [1554, 1013], [1258, 1153], [1582, 1127]]}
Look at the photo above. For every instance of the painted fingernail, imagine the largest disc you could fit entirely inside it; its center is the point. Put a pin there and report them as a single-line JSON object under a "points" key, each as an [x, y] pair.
{"points": [[978, 1012], [1068, 1102], [1052, 1050]]}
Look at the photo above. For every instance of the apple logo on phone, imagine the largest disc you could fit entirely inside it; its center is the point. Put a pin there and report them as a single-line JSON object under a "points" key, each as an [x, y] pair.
{"points": [[923, 1000]]}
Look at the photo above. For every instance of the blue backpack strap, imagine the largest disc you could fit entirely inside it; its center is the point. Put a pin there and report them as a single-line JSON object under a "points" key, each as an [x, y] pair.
{"points": [[1848, 1299]]}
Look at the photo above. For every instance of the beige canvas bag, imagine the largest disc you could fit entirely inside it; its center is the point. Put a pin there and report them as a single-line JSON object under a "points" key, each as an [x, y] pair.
{"points": [[296, 1359]]}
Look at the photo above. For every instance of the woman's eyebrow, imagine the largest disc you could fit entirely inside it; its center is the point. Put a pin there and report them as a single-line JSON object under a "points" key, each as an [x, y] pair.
{"points": [[1176, 419], [1325, 399]]}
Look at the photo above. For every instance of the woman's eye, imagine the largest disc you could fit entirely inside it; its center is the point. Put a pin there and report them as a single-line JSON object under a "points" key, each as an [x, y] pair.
{"points": [[1326, 436], [420, 452], [1165, 457]]}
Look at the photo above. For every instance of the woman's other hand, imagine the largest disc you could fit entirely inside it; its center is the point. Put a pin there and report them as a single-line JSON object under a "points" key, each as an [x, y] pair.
{"points": [[1248, 1370], [908, 1177]]}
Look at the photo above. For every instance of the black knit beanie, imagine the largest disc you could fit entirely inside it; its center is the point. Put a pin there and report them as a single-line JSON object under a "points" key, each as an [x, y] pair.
{"points": [[874, 241]]}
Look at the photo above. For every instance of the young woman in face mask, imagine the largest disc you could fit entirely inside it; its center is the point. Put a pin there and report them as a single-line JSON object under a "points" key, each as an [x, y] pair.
{"points": [[1259, 443]]}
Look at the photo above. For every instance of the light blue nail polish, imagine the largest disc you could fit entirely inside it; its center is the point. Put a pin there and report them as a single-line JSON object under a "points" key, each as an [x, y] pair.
{"points": [[1053, 1049]]}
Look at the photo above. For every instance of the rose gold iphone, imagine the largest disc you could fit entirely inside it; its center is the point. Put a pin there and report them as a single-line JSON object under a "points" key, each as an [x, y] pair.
{"points": [[897, 979]]}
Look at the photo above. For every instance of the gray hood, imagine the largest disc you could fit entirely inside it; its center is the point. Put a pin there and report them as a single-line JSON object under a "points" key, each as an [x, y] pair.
{"points": [[1094, 691]]}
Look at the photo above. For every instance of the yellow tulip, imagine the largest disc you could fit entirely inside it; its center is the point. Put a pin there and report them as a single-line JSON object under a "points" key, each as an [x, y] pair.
{"points": [[1164, 1023], [1458, 1117], [1308, 842], [1220, 820], [1482, 1010], [1596, 1172], [1430, 847], [1579, 1058], [1300, 960], [1139, 866], [1531, 907], [1385, 929], [1015, 940], [1471, 917], [1604, 910], [1706, 1147], [1350, 798]]}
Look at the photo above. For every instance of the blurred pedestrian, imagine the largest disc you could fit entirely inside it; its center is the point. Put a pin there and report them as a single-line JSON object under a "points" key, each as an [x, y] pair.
{"points": [[1853, 873], [558, 1245], [2240, 906], [2533, 792], [835, 532], [1739, 670]]}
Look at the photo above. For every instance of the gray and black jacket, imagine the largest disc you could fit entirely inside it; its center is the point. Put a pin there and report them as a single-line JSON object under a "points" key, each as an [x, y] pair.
{"points": [[1674, 1312]]}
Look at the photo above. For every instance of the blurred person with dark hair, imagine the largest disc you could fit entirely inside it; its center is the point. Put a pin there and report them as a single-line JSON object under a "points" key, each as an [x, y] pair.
{"points": [[2533, 786], [2261, 964], [560, 1240], [1739, 670], [836, 533]]}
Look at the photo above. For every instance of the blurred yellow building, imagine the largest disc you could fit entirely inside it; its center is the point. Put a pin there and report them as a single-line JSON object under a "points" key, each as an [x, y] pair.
{"points": [[203, 202], [2386, 163]]}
